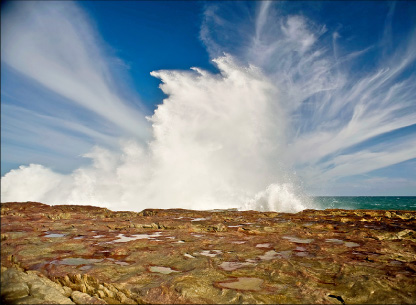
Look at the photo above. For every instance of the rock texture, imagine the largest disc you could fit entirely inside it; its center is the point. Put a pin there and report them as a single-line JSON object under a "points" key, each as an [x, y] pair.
{"points": [[88, 255]]}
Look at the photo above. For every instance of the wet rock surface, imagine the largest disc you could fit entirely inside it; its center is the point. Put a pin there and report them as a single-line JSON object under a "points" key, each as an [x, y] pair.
{"points": [[89, 255]]}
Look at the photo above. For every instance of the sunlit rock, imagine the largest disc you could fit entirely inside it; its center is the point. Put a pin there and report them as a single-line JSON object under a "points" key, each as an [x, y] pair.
{"points": [[96, 256]]}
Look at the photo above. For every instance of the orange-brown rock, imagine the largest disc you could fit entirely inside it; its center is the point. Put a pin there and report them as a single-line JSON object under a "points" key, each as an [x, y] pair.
{"points": [[70, 254]]}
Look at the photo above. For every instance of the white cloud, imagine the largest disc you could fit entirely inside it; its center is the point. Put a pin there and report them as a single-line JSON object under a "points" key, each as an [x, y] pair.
{"points": [[296, 32], [328, 109], [365, 161], [54, 44]]}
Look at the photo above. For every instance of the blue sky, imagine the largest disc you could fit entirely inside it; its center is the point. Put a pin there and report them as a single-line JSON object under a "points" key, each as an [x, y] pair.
{"points": [[337, 79]]}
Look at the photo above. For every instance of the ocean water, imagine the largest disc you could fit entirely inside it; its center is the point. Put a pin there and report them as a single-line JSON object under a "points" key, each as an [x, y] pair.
{"points": [[366, 202]]}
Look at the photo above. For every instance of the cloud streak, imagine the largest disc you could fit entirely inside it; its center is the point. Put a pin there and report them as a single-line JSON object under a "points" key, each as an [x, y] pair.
{"points": [[328, 108], [54, 44]]}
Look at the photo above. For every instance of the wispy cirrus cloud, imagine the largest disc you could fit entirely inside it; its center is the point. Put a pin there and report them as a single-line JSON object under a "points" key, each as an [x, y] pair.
{"points": [[55, 45], [333, 112]]}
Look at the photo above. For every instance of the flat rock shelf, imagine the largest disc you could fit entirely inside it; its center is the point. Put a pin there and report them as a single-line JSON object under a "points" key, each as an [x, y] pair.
{"points": [[66, 254]]}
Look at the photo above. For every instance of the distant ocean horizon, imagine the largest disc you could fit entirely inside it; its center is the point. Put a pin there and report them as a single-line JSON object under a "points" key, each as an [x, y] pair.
{"points": [[366, 202]]}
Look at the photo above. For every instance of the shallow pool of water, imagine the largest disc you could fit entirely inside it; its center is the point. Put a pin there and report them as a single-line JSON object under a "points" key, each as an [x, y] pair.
{"points": [[199, 219], [197, 235], [160, 269], [230, 266], [334, 241], [75, 261], [302, 254], [244, 283], [269, 255], [263, 245], [298, 240], [285, 254], [210, 253], [350, 244], [54, 235], [123, 239]]}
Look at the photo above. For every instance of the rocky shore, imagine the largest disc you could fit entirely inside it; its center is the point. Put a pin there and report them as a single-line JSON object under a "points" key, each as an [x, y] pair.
{"points": [[70, 254]]}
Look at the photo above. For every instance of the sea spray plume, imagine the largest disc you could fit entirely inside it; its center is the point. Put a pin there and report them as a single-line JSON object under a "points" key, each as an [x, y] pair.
{"points": [[34, 182], [218, 140], [223, 133], [278, 197]]}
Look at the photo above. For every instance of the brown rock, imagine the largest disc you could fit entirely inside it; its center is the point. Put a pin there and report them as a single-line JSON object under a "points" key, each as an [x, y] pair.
{"points": [[86, 254], [83, 298]]}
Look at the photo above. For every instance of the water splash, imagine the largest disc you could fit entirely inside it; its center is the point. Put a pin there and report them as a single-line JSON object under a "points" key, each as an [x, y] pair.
{"points": [[218, 140], [277, 197]]}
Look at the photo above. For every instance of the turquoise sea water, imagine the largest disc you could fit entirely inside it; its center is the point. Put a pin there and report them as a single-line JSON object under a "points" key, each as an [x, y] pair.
{"points": [[367, 202]]}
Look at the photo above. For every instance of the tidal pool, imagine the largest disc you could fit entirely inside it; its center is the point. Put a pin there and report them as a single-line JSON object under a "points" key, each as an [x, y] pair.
{"points": [[269, 255], [160, 269], [75, 261], [302, 254], [285, 254], [85, 268], [54, 235], [263, 245], [298, 240], [230, 266], [199, 219], [210, 254], [350, 244], [334, 241], [121, 263], [123, 239], [197, 235], [243, 283]]}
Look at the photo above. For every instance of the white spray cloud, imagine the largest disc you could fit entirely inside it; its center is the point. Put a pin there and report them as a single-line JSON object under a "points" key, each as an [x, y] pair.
{"points": [[35, 182], [232, 139], [197, 159]]}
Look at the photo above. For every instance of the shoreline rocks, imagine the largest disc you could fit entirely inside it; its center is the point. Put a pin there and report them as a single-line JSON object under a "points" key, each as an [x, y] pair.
{"points": [[67, 254]]}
